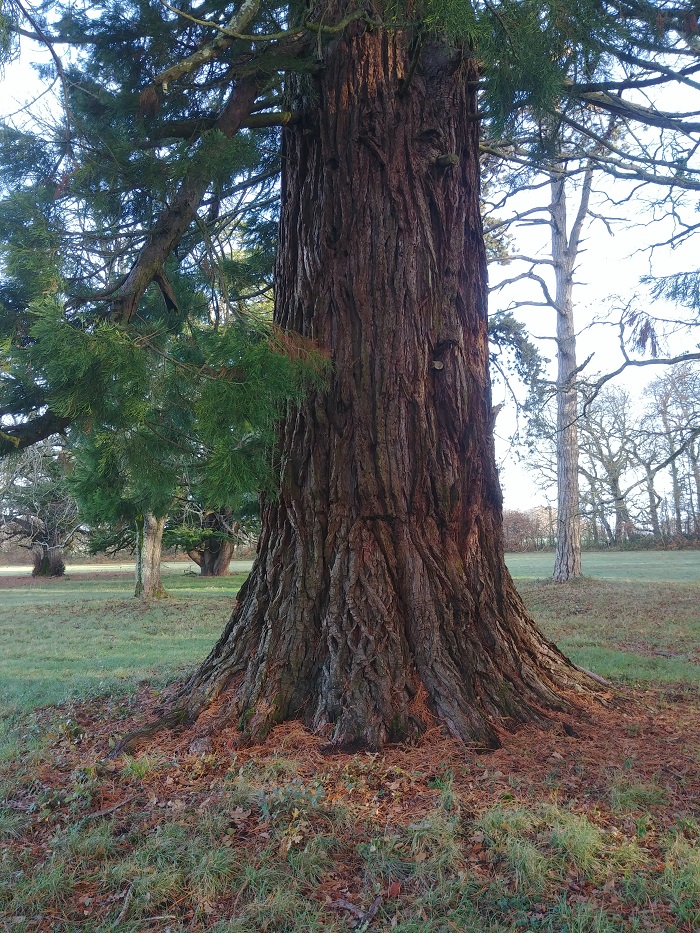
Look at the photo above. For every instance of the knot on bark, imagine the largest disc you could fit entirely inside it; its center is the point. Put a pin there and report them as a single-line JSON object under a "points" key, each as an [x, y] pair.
{"points": [[447, 160]]}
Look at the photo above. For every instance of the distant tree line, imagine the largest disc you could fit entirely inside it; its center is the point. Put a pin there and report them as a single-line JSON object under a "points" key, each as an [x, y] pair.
{"points": [[50, 508], [639, 468]]}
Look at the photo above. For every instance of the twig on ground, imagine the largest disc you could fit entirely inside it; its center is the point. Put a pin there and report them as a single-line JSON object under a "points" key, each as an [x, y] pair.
{"points": [[596, 677], [125, 907], [370, 914], [350, 907], [107, 810]]}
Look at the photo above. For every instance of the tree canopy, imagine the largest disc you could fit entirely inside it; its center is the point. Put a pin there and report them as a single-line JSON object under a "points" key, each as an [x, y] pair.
{"points": [[146, 195]]}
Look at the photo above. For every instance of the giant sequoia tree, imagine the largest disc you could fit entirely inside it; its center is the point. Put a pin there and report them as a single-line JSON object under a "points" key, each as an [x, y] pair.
{"points": [[380, 591], [379, 601]]}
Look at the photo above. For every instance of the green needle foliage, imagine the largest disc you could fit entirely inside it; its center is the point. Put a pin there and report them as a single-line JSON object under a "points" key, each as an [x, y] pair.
{"points": [[194, 383], [137, 225]]}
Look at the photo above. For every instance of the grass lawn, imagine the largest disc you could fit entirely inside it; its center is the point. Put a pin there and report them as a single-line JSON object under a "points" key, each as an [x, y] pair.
{"points": [[647, 566], [66, 638], [586, 824], [638, 619]]}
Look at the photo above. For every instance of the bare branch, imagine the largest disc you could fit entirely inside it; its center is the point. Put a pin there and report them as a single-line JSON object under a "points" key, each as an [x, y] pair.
{"points": [[655, 361]]}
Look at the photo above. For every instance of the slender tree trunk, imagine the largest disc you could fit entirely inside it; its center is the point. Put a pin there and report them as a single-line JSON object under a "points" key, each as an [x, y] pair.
{"points": [[687, 392], [623, 522], [567, 560], [694, 459], [551, 528], [609, 532], [654, 500], [675, 478], [149, 548], [379, 602], [677, 494]]}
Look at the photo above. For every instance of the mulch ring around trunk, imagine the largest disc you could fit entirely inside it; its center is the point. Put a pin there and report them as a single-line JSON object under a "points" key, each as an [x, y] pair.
{"points": [[597, 813]]}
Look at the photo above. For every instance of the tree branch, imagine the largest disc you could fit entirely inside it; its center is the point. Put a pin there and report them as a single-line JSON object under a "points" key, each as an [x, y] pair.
{"points": [[656, 361], [23, 435], [631, 111], [174, 223], [227, 36]]}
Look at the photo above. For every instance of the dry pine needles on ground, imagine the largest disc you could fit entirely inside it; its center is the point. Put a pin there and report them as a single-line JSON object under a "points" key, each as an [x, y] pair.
{"points": [[588, 825]]}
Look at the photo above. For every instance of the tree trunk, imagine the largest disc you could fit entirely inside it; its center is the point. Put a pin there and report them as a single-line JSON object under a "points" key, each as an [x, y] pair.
{"points": [[215, 552], [694, 460], [149, 547], [567, 559], [379, 601], [677, 492], [222, 563], [48, 561], [675, 478], [623, 523], [654, 500], [215, 557]]}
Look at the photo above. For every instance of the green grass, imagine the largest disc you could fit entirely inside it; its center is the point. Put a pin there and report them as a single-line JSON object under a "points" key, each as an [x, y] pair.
{"points": [[628, 796], [280, 862], [74, 637], [193, 868], [651, 566], [260, 846], [641, 631]]}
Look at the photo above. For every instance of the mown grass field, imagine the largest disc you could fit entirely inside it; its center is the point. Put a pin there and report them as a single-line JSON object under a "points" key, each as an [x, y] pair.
{"points": [[77, 636], [619, 566], [588, 824], [634, 616]]}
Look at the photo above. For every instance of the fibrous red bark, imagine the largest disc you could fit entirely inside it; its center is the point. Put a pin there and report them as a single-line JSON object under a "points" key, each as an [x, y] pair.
{"points": [[379, 601]]}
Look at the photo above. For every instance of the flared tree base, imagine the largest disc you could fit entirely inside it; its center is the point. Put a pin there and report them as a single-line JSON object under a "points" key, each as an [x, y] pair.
{"points": [[383, 650]]}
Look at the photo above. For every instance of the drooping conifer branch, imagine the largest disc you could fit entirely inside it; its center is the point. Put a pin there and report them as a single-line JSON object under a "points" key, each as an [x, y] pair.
{"points": [[233, 33], [176, 220]]}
